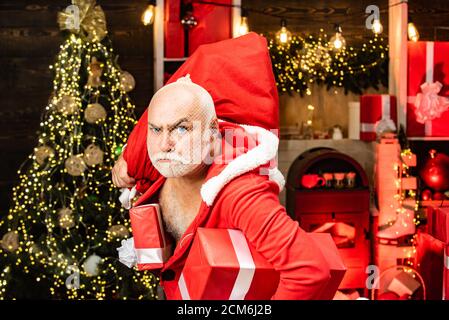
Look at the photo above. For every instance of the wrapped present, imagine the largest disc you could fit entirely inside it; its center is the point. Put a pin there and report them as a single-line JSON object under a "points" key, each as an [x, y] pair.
{"points": [[438, 227], [438, 223], [409, 183], [151, 245], [342, 233], [378, 113], [430, 264], [404, 284], [231, 269], [222, 265], [428, 89], [337, 268], [446, 274]]}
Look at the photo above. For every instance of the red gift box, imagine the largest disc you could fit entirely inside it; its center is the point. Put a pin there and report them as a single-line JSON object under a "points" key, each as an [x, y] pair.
{"points": [[438, 227], [438, 223], [373, 109], [337, 269], [152, 248], [231, 269], [430, 264], [446, 274], [428, 62]]}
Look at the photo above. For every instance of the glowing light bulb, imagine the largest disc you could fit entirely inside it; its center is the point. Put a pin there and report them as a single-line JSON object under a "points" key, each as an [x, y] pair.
{"points": [[243, 28], [338, 42], [148, 15], [413, 33], [377, 27], [283, 35]]}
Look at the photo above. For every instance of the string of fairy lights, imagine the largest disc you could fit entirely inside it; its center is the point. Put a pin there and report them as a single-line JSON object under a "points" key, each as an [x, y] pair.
{"points": [[300, 61], [65, 216]]}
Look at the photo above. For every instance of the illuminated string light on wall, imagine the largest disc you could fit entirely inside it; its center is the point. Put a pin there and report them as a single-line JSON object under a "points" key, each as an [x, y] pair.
{"points": [[412, 31], [338, 42], [243, 27], [283, 36], [377, 27], [148, 14]]}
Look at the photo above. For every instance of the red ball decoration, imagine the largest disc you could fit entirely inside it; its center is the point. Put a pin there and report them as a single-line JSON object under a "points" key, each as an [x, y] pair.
{"points": [[404, 297], [435, 172], [426, 195]]}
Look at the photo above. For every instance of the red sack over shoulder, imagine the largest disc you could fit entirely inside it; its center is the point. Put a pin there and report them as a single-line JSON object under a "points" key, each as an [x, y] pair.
{"points": [[238, 75]]}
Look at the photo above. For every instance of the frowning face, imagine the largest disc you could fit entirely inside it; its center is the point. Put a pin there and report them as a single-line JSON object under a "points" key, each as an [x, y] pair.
{"points": [[178, 138]]}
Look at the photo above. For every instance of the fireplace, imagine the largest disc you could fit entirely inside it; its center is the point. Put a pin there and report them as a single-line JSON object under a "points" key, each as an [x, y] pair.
{"points": [[332, 205]]}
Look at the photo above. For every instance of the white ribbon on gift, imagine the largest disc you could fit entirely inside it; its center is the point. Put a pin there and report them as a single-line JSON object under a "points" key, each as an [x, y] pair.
{"points": [[385, 123], [151, 255], [429, 79], [246, 270], [429, 105]]}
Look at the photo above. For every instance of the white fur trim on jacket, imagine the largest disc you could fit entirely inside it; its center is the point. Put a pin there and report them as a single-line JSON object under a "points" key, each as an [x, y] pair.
{"points": [[264, 152]]}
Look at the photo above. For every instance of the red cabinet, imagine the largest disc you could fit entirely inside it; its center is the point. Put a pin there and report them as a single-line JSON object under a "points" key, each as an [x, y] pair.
{"points": [[342, 212]]}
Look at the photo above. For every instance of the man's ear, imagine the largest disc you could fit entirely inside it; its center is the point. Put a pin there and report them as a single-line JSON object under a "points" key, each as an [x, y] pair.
{"points": [[214, 128]]}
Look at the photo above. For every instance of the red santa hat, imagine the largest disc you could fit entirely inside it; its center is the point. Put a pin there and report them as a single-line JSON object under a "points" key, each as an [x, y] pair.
{"points": [[238, 75]]}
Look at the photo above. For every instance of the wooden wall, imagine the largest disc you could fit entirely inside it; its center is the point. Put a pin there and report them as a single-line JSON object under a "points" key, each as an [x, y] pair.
{"points": [[29, 42]]}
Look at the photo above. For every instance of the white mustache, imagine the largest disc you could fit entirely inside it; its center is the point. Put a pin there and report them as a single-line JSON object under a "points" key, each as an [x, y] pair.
{"points": [[170, 156]]}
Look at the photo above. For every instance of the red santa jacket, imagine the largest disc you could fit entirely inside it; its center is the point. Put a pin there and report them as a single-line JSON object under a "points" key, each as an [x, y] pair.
{"points": [[241, 190]]}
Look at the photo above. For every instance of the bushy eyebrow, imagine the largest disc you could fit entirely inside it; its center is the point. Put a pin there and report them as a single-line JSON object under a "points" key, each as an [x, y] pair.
{"points": [[172, 126]]}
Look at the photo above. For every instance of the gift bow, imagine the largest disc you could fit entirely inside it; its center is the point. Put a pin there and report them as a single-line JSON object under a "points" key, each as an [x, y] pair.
{"points": [[84, 16], [429, 105]]}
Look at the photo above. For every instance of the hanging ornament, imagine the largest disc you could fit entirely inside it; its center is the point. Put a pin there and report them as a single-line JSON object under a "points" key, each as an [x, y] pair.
{"points": [[94, 112], [127, 81], [435, 172], [95, 70], [65, 218], [118, 150], [42, 153], [93, 155], [10, 241], [75, 165], [67, 105], [119, 231], [426, 195], [90, 265], [84, 18]]}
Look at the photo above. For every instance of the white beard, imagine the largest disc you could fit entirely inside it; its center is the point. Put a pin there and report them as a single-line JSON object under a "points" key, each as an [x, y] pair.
{"points": [[181, 165]]}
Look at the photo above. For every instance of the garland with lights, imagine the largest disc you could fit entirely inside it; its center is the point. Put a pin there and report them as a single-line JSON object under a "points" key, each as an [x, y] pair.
{"points": [[61, 235], [302, 61]]}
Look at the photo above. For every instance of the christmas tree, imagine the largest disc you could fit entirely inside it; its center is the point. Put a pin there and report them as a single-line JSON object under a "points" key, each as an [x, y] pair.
{"points": [[60, 238]]}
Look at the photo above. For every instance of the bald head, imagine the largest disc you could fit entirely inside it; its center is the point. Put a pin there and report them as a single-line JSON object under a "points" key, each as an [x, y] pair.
{"points": [[180, 118], [186, 95]]}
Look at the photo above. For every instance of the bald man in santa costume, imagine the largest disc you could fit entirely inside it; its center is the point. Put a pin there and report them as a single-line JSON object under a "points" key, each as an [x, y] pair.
{"points": [[205, 150]]}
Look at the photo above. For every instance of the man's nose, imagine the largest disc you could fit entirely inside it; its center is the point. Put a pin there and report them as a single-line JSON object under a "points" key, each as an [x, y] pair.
{"points": [[166, 142]]}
